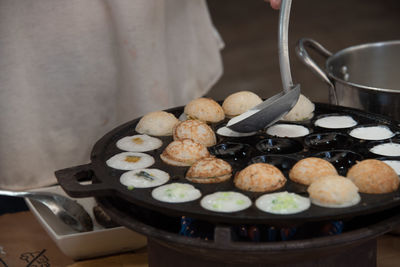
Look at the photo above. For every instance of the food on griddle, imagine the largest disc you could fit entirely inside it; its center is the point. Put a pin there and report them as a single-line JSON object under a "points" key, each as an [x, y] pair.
{"points": [[225, 202], [130, 161], [204, 109], [387, 149], [209, 170], [310, 169], [335, 122], [196, 130], [238, 103], [225, 131], [333, 191], [139, 143], [303, 110], [176, 193], [157, 123], [282, 203], [374, 177], [287, 130], [395, 164], [372, 132], [144, 178], [184, 152], [260, 177]]}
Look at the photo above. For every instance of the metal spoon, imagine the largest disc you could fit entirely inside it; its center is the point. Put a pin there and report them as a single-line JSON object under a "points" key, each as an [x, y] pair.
{"points": [[274, 108], [66, 209]]}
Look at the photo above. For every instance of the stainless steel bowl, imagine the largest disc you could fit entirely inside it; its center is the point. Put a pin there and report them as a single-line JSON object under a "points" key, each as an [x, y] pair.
{"points": [[365, 76]]}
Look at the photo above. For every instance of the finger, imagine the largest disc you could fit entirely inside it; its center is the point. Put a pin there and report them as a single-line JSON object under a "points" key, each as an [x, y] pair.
{"points": [[275, 4]]}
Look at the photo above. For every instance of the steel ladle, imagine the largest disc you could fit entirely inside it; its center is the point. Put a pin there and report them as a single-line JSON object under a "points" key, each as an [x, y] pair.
{"points": [[275, 107], [66, 209]]}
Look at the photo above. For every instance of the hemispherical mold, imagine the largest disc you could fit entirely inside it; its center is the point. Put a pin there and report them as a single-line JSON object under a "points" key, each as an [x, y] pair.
{"points": [[231, 150], [341, 159], [328, 140], [279, 146], [284, 163]]}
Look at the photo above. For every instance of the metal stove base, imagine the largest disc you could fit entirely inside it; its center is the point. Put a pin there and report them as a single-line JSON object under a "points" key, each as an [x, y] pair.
{"points": [[163, 254]]}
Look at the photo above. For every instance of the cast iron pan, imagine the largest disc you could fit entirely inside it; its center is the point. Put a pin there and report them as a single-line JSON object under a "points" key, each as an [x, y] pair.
{"points": [[334, 145]]}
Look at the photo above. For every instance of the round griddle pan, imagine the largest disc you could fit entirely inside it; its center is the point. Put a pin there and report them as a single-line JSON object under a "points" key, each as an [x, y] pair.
{"points": [[334, 145]]}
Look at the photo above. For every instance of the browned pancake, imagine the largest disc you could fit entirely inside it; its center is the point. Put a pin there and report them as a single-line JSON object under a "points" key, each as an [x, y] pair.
{"points": [[260, 177], [307, 170], [209, 170], [196, 130], [184, 152], [374, 177]]}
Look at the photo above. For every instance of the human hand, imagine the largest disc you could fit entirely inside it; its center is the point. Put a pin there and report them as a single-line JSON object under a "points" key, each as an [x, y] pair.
{"points": [[275, 4]]}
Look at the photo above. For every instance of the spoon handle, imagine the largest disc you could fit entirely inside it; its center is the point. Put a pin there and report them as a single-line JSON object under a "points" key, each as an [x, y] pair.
{"points": [[24, 194], [14, 193], [283, 45]]}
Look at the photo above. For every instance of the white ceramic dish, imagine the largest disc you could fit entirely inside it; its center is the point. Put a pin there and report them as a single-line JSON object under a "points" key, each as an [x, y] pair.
{"points": [[99, 242]]}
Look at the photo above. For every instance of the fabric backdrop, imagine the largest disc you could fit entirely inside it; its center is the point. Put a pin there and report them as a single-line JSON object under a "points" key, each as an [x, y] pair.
{"points": [[72, 70]]}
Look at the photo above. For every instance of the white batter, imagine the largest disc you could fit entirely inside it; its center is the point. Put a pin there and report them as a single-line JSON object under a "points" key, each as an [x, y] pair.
{"points": [[282, 203], [242, 116], [130, 161], [372, 133], [395, 164], [225, 131], [225, 202], [387, 149], [176, 193], [144, 178], [287, 130], [335, 122], [139, 143]]}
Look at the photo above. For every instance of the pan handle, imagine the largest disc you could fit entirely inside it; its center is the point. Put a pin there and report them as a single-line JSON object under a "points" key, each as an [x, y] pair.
{"points": [[309, 62], [69, 180]]}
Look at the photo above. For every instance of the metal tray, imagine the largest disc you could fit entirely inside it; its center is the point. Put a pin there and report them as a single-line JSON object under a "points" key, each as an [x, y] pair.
{"points": [[343, 153]]}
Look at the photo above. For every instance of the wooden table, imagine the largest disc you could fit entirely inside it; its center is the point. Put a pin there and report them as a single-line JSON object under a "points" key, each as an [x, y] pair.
{"points": [[24, 242]]}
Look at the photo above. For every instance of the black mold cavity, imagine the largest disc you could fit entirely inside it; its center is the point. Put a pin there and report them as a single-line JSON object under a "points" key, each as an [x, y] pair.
{"points": [[279, 146]]}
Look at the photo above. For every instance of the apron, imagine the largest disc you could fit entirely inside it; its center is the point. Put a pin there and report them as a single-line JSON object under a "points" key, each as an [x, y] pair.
{"points": [[70, 71]]}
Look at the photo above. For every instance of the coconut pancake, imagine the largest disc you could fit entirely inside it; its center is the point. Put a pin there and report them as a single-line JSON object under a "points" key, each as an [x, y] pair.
{"points": [[282, 203], [225, 202], [204, 109], [184, 152], [379, 132], [239, 102], [303, 110], [374, 177], [138, 143], [334, 191], [336, 122], [157, 123], [144, 178], [260, 177], [130, 161], [287, 130], [196, 130], [309, 169], [176, 193], [209, 170]]}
